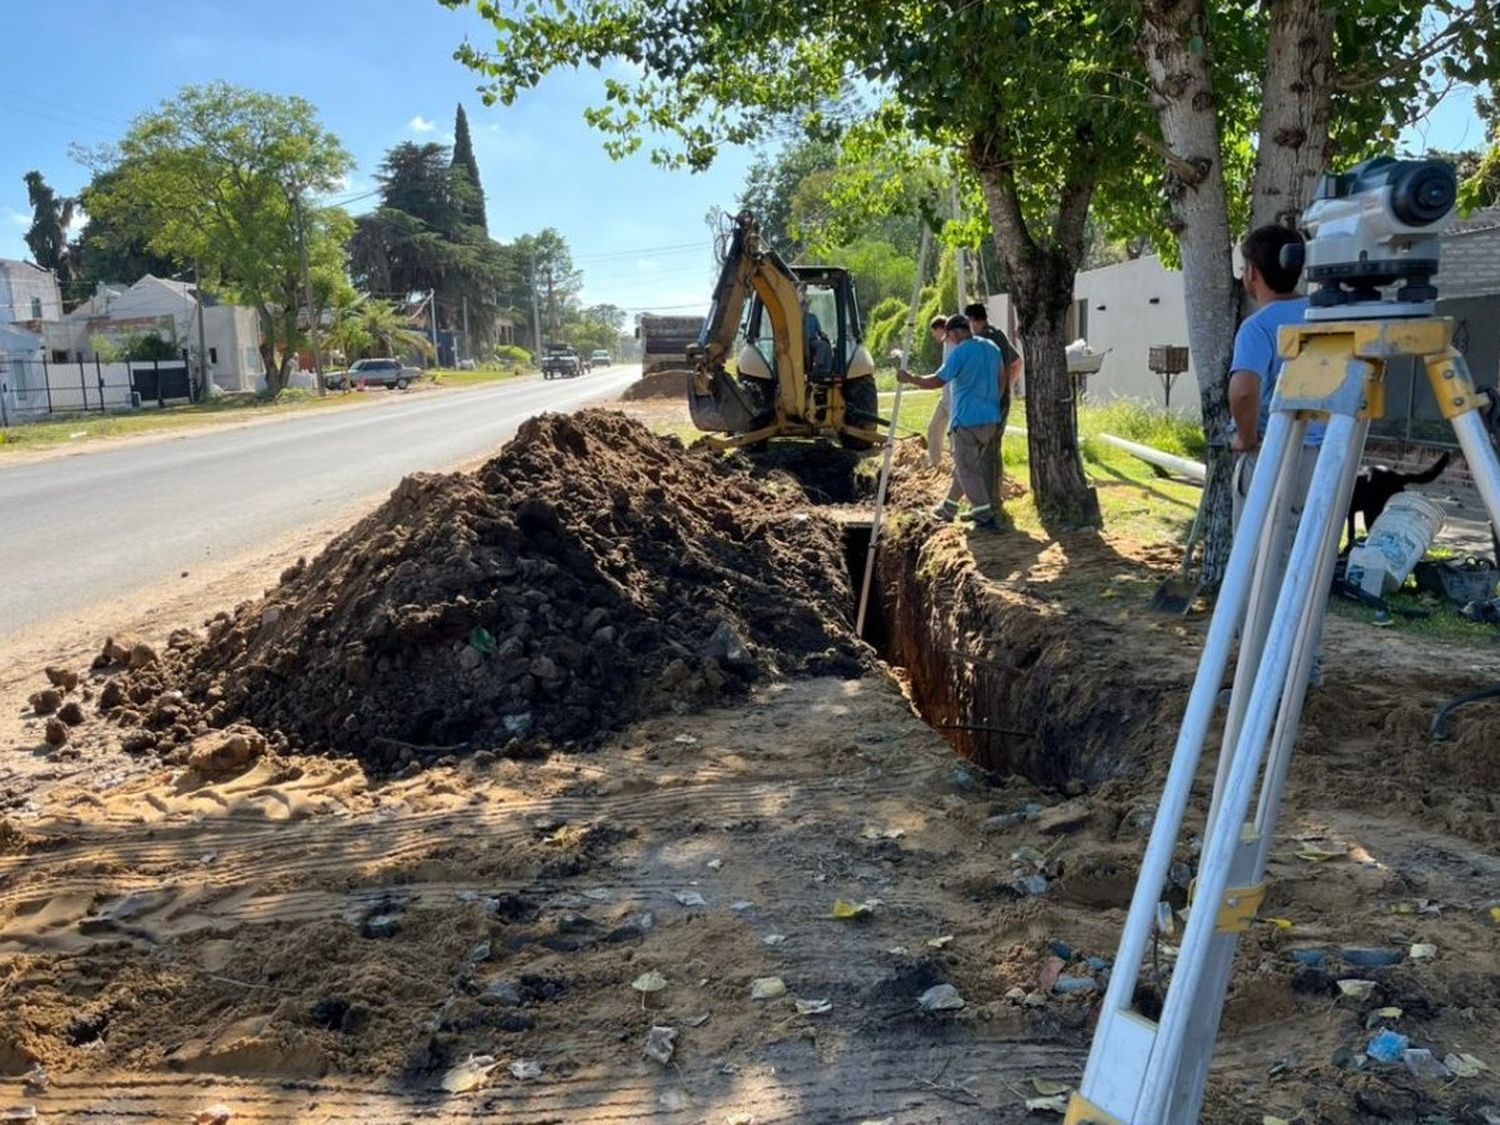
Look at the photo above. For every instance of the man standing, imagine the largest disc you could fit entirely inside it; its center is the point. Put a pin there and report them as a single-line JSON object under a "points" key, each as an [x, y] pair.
{"points": [[1254, 371], [937, 429], [972, 370], [980, 326], [1255, 366], [1010, 375]]}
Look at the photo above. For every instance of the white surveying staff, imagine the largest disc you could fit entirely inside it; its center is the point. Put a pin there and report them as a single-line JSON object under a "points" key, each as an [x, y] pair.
{"points": [[1374, 226], [890, 441]]}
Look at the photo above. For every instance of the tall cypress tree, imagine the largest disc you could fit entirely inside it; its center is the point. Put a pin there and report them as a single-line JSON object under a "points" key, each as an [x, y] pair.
{"points": [[471, 195]]}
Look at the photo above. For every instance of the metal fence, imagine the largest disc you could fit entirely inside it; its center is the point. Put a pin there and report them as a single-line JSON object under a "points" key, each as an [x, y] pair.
{"points": [[37, 388]]}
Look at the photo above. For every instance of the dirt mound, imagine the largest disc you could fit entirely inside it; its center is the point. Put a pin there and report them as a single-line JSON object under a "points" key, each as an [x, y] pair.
{"points": [[591, 573], [659, 384]]}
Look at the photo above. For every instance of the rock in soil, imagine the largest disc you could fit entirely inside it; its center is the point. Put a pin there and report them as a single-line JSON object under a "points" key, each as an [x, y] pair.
{"points": [[224, 753], [63, 679], [56, 733], [46, 701], [71, 713], [591, 574]]}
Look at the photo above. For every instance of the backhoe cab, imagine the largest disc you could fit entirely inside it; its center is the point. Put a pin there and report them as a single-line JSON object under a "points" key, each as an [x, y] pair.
{"points": [[802, 369]]}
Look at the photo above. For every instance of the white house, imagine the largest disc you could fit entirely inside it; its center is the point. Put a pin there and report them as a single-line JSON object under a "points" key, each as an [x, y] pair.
{"points": [[27, 292], [169, 309]]}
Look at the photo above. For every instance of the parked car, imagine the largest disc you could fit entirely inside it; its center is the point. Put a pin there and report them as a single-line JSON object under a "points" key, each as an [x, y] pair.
{"points": [[383, 372], [600, 358], [560, 362]]}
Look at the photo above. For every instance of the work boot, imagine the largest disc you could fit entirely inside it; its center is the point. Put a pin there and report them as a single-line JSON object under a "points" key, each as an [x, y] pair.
{"points": [[947, 511], [986, 523]]}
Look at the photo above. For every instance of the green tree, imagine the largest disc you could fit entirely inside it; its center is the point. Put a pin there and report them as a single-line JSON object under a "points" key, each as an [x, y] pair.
{"points": [[47, 236], [390, 332], [115, 243], [470, 191], [421, 239], [545, 269], [1253, 104], [1042, 126], [218, 175]]}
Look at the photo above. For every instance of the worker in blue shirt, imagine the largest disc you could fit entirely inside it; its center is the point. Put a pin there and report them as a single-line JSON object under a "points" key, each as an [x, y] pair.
{"points": [[972, 372]]}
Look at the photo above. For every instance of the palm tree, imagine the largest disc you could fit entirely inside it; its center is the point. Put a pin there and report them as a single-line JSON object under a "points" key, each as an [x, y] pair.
{"points": [[390, 333]]}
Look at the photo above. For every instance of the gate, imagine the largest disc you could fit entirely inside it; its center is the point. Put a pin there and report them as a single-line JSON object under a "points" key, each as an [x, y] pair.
{"points": [[37, 388]]}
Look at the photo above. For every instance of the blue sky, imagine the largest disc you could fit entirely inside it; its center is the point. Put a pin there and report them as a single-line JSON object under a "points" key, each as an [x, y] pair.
{"points": [[381, 71]]}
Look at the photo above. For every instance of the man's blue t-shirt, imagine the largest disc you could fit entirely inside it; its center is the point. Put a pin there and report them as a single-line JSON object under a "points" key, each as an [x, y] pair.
{"points": [[1255, 350], [972, 371]]}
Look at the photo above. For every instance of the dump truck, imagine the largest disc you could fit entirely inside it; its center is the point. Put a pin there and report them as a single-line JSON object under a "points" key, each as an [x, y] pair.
{"points": [[665, 341]]}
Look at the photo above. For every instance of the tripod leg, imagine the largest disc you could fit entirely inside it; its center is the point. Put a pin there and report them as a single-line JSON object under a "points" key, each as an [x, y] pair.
{"points": [[1101, 1078], [1288, 719], [1270, 566], [1223, 835]]}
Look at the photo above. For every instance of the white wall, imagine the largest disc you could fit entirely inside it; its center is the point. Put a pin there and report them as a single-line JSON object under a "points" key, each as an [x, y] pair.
{"points": [[27, 292], [1125, 309]]}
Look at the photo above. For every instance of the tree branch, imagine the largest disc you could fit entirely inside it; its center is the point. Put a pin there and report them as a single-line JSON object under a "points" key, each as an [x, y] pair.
{"points": [[1475, 18], [1188, 171]]}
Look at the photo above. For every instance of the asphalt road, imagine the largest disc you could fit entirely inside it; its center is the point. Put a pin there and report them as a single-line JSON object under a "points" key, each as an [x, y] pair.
{"points": [[75, 531]]}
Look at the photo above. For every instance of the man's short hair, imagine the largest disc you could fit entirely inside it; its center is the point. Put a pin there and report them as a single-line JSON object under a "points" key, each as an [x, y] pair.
{"points": [[976, 311], [958, 323], [1262, 249], [939, 321]]}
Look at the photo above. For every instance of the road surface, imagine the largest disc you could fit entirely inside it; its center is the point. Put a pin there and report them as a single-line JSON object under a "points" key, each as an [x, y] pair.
{"points": [[75, 531]]}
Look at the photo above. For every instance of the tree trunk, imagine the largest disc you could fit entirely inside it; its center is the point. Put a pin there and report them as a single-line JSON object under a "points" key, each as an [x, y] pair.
{"points": [[1295, 146], [1041, 274], [1182, 92], [268, 348]]}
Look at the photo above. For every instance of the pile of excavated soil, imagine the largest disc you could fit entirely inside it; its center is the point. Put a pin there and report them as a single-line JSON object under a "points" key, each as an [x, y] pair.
{"points": [[659, 384], [588, 575]]}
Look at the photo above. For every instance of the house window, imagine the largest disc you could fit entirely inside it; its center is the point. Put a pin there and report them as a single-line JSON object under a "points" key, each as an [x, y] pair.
{"points": [[36, 308], [213, 355], [59, 356]]}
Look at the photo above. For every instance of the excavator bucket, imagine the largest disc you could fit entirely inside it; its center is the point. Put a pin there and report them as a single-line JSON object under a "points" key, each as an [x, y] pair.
{"points": [[704, 410]]}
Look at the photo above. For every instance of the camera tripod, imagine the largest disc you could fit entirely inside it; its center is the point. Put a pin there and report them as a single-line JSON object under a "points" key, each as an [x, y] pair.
{"points": [[1144, 1072]]}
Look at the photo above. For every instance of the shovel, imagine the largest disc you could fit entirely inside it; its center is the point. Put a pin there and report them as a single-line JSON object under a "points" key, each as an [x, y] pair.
{"points": [[1176, 595]]}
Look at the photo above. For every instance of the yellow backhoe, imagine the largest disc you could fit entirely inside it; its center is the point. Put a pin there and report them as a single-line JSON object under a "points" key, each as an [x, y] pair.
{"points": [[802, 369]]}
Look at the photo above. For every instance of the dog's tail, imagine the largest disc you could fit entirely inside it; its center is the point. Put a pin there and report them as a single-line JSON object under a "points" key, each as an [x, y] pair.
{"points": [[1431, 473]]}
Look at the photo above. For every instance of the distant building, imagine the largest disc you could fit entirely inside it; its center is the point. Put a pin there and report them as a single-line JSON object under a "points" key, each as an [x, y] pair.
{"points": [[27, 293], [168, 309]]}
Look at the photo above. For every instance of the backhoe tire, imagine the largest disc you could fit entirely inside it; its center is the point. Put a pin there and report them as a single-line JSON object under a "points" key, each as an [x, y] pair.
{"points": [[861, 407]]}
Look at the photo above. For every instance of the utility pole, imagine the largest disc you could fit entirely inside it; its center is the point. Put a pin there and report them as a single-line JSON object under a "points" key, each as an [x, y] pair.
{"points": [[958, 252], [468, 347], [203, 372], [312, 319], [432, 321], [536, 316]]}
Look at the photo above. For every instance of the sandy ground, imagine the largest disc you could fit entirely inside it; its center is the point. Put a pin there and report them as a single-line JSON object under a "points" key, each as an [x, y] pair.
{"points": [[301, 943]]}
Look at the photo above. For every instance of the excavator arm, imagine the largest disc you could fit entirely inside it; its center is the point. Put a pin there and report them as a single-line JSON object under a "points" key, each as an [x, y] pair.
{"points": [[718, 399]]}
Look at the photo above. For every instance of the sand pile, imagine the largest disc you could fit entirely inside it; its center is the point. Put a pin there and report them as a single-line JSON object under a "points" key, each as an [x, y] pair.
{"points": [[588, 575]]}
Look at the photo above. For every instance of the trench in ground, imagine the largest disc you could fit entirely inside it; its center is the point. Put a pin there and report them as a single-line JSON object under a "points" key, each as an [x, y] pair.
{"points": [[1013, 684]]}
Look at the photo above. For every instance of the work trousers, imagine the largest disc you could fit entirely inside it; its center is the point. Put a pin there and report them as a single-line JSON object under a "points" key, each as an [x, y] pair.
{"points": [[976, 467]]}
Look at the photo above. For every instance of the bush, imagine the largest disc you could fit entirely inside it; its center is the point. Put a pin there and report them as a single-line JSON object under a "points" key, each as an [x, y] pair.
{"points": [[508, 355]]}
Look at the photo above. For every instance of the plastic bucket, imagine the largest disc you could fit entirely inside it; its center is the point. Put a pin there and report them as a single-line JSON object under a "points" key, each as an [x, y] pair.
{"points": [[1396, 544]]}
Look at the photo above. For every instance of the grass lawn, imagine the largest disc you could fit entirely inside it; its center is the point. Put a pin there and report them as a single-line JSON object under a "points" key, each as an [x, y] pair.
{"points": [[80, 428], [491, 373]]}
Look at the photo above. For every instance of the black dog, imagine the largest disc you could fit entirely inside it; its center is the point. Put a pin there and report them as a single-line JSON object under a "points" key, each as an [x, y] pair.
{"points": [[1375, 486]]}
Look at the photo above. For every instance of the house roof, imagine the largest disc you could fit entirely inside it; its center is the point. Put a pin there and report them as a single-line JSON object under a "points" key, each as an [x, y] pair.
{"points": [[18, 340]]}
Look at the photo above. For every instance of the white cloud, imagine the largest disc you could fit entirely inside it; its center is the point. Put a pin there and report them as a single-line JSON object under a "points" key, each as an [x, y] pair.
{"points": [[20, 218], [420, 124], [80, 219]]}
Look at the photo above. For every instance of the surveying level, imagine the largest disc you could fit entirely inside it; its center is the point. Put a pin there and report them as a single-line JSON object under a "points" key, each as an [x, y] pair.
{"points": [[1145, 1072]]}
